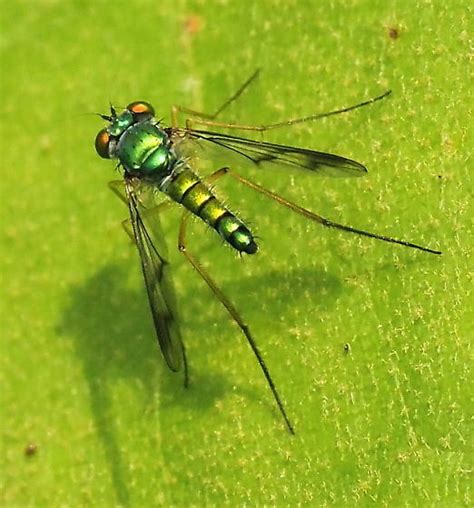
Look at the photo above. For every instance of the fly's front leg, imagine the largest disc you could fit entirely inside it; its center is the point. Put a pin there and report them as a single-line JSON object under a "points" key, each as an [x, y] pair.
{"points": [[231, 310], [118, 188]]}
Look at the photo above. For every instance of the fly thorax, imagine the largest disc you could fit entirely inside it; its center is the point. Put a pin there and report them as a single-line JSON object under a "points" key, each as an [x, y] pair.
{"points": [[144, 151]]}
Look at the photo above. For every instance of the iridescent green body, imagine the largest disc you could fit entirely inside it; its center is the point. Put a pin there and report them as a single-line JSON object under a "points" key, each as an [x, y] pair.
{"points": [[146, 151]]}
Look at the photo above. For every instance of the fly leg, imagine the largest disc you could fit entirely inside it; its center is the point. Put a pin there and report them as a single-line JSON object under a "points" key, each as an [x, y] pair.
{"points": [[118, 188], [232, 312], [204, 120], [175, 110], [318, 218]]}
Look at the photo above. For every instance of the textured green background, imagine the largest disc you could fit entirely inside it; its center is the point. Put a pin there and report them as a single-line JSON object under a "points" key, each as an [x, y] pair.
{"points": [[81, 376]]}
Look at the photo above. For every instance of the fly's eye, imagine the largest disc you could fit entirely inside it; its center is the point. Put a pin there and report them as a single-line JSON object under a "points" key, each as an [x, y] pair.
{"points": [[140, 108], [102, 142]]}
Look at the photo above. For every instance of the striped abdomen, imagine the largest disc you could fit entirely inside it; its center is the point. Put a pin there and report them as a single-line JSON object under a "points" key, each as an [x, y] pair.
{"points": [[187, 189]]}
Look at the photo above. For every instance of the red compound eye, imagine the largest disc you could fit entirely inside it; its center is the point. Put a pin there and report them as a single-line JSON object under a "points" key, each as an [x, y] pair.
{"points": [[141, 108], [102, 142]]}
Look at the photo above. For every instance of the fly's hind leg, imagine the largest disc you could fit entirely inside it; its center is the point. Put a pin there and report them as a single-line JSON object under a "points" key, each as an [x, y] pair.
{"points": [[318, 218], [232, 311]]}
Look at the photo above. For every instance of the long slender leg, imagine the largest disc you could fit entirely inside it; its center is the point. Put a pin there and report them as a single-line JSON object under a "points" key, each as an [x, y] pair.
{"points": [[262, 128], [234, 315], [185, 365], [117, 187], [175, 110], [321, 220]]}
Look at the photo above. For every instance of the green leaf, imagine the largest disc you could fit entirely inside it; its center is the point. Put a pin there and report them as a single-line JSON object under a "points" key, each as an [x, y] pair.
{"points": [[382, 421]]}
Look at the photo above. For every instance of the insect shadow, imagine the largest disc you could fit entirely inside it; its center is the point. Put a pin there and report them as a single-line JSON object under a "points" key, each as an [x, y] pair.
{"points": [[113, 336], [112, 333]]}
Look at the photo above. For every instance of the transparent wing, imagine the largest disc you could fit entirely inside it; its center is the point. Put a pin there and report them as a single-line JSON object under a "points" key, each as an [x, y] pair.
{"points": [[262, 153], [158, 282]]}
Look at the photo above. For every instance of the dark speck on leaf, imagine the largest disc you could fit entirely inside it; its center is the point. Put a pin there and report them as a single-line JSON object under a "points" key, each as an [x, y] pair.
{"points": [[30, 449], [393, 33]]}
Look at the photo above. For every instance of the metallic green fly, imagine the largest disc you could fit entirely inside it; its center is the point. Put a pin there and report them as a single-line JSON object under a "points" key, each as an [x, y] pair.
{"points": [[159, 160]]}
